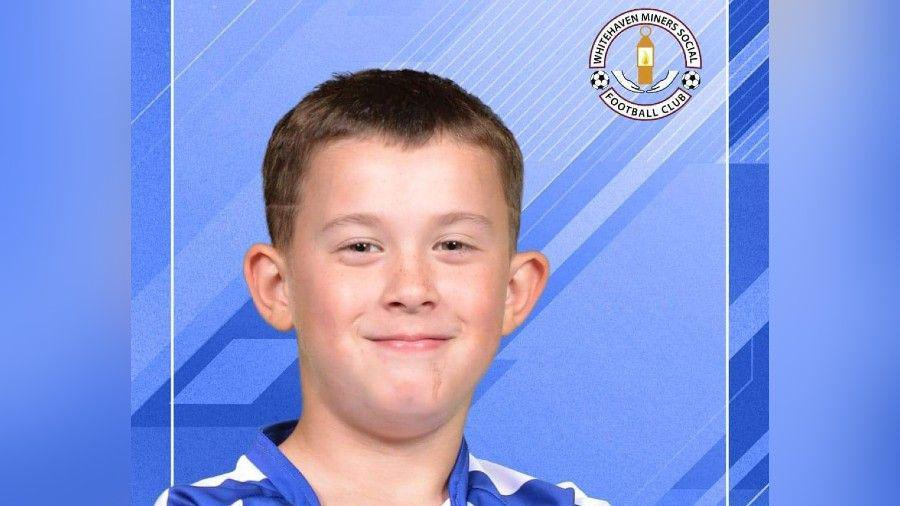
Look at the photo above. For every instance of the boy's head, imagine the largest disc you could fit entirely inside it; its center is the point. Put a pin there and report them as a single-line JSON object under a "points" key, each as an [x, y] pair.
{"points": [[393, 202], [403, 107]]}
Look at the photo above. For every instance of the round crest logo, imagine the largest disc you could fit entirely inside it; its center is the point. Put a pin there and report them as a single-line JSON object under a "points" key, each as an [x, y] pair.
{"points": [[648, 76]]}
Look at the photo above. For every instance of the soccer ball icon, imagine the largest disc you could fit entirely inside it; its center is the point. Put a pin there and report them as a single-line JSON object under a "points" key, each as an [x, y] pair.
{"points": [[599, 80], [690, 79]]}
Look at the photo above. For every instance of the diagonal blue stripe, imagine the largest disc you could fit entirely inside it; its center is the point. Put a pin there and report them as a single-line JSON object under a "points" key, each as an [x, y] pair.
{"points": [[751, 485], [740, 368], [741, 147], [593, 177], [245, 323], [495, 372], [469, 18], [280, 401], [749, 418], [749, 102], [200, 53], [749, 312], [601, 237], [442, 14], [240, 372], [707, 470], [750, 58], [747, 17], [301, 12], [738, 470], [598, 241]]}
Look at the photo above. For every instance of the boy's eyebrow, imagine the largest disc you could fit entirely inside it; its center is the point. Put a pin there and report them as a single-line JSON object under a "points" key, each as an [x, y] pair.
{"points": [[454, 217], [347, 219], [443, 220]]}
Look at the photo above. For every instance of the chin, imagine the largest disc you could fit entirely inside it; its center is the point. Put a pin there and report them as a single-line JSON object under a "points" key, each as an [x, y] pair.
{"points": [[414, 403], [399, 426], [410, 413]]}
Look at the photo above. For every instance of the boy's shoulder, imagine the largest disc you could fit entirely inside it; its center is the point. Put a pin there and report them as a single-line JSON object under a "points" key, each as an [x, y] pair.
{"points": [[489, 484], [245, 481], [505, 485], [264, 475]]}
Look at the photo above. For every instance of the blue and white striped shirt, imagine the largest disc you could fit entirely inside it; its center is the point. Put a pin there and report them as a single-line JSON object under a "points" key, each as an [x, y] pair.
{"points": [[264, 476]]}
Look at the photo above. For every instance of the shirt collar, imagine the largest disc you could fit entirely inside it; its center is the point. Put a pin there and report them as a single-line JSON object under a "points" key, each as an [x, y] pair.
{"points": [[291, 483]]}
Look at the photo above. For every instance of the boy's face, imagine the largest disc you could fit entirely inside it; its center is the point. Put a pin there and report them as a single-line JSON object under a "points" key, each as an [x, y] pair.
{"points": [[392, 244]]}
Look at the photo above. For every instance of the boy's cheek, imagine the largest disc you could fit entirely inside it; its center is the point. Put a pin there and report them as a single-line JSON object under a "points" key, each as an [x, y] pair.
{"points": [[483, 288]]}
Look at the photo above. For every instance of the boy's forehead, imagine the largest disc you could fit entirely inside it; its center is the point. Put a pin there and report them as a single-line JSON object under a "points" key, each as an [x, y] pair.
{"points": [[364, 176], [440, 145]]}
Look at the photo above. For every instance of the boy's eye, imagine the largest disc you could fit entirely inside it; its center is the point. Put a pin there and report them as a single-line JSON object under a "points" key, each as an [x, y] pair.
{"points": [[456, 245], [365, 247], [358, 247]]}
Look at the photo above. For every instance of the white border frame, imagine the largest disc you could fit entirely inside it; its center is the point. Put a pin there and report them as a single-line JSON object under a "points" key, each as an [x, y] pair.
{"points": [[727, 54], [171, 243], [727, 57]]}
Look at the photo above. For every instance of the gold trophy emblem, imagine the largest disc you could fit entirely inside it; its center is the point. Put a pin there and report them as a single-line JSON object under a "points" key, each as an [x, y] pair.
{"points": [[645, 57]]}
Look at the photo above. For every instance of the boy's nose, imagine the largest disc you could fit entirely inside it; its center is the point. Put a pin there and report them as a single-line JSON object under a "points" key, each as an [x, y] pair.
{"points": [[410, 285]]}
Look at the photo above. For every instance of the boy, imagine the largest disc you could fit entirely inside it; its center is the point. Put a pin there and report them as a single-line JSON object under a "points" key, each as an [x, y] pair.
{"points": [[393, 202]]}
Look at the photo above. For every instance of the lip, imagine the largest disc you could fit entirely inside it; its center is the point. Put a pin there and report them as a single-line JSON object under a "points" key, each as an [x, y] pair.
{"points": [[410, 343]]}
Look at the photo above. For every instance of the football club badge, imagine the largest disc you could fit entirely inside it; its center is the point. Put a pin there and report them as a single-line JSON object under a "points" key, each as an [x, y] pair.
{"points": [[648, 93]]}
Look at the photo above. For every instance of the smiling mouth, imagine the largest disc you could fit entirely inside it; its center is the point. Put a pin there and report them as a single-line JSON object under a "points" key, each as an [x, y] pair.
{"points": [[410, 342]]}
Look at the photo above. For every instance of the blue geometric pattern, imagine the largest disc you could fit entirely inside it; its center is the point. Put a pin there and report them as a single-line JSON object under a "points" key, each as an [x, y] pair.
{"points": [[622, 361], [259, 361]]}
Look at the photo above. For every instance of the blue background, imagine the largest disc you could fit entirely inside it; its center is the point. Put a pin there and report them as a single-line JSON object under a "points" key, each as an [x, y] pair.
{"points": [[631, 215], [65, 211], [835, 245]]}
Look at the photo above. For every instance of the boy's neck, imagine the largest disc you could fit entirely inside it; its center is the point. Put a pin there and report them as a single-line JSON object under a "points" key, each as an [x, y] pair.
{"points": [[347, 466]]}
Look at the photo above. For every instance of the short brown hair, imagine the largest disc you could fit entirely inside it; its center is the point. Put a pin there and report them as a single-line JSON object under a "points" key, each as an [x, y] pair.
{"points": [[405, 106]]}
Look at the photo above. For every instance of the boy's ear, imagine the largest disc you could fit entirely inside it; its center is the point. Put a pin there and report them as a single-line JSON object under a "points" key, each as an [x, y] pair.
{"points": [[265, 272], [529, 271]]}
